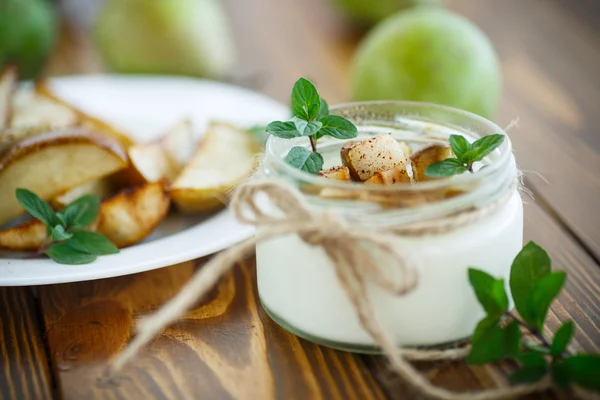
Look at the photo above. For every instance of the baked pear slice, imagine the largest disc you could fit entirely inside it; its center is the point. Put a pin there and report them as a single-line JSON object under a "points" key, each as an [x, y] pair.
{"points": [[125, 219], [101, 188], [426, 156], [226, 156], [51, 163], [365, 158], [9, 78]]}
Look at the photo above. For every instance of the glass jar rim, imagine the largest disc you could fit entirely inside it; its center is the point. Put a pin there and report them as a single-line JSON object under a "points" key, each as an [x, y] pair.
{"points": [[505, 153]]}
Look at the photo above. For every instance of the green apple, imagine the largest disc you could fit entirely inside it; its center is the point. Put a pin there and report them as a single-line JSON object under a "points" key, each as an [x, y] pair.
{"points": [[372, 11], [27, 34], [430, 55], [187, 37]]}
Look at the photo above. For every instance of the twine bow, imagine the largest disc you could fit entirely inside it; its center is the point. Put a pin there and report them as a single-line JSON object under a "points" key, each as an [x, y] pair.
{"points": [[354, 267]]}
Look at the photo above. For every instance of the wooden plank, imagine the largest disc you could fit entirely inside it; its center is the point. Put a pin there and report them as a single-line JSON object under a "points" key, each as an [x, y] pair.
{"points": [[24, 372], [227, 347], [578, 302]]}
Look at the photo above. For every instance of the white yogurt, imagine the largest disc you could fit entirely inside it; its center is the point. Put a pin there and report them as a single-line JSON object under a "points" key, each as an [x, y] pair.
{"points": [[297, 283]]}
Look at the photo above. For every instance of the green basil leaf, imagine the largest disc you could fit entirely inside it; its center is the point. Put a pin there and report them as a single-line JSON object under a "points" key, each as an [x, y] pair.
{"points": [[306, 128], [304, 159], [37, 207], [92, 243], [59, 234], [445, 168], [486, 145], [562, 337], [338, 127], [306, 101], [65, 254], [284, 130], [459, 145], [540, 297], [495, 344], [529, 266], [490, 292], [82, 212], [584, 370], [323, 109]]}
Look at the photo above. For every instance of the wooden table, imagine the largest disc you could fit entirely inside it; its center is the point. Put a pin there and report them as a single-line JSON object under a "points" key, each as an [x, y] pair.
{"points": [[55, 340]]}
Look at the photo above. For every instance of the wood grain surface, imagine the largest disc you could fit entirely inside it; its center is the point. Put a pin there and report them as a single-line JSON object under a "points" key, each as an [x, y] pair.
{"points": [[227, 347], [24, 372]]}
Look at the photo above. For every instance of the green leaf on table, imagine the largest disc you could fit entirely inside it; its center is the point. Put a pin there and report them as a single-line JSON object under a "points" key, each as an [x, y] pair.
{"points": [[323, 110], [306, 128], [533, 368], [490, 292], [445, 168], [495, 343], [529, 266], [82, 212], [306, 101], [337, 127], [540, 297], [283, 129], [65, 254], [37, 207], [562, 337], [584, 370], [92, 243], [304, 159], [59, 234], [459, 145]]}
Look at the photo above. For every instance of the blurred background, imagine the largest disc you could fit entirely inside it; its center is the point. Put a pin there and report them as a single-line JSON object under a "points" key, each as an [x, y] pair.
{"points": [[533, 60]]}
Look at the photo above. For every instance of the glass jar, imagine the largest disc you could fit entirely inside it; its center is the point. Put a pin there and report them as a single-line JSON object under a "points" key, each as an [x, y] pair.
{"points": [[297, 284]]}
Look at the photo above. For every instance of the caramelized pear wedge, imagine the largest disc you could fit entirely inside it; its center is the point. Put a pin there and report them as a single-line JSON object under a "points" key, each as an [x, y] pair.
{"points": [[51, 163], [426, 156], [337, 173], [125, 219], [225, 157], [398, 174], [365, 158], [101, 188]]}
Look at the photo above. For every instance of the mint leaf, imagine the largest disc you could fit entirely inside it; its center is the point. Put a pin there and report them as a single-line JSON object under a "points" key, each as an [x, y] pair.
{"points": [[445, 168], [584, 370], [495, 344], [533, 368], [59, 234], [490, 292], [337, 127], [82, 212], [306, 101], [323, 109], [284, 130], [529, 266], [37, 208], [459, 145], [306, 128], [305, 160], [562, 337], [484, 327], [64, 254], [537, 348], [92, 243], [485, 145], [541, 296], [560, 374]]}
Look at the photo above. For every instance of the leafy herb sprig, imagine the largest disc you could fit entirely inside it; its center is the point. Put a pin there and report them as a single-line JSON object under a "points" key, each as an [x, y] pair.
{"points": [[502, 334], [466, 155], [68, 241], [311, 119]]}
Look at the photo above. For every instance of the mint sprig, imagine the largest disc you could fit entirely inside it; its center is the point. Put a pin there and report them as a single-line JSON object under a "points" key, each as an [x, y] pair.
{"points": [[312, 119], [68, 243], [500, 334], [466, 155]]}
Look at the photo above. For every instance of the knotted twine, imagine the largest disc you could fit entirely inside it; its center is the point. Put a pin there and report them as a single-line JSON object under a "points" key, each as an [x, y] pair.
{"points": [[354, 269]]}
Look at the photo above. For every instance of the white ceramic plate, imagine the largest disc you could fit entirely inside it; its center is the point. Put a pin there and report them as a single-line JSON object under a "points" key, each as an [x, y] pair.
{"points": [[144, 106]]}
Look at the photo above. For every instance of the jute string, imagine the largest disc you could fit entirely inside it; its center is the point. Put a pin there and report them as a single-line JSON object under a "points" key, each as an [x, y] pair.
{"points": [[354, 268]]}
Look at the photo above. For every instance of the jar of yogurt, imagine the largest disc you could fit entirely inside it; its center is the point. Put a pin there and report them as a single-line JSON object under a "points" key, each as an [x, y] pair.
{"points": [[297, 283]]}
